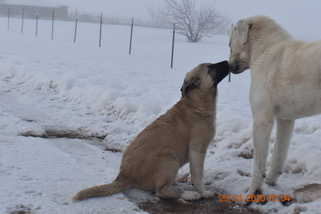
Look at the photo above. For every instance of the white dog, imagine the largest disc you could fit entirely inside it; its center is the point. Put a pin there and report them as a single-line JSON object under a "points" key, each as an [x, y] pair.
{"points": [[285, 85]]}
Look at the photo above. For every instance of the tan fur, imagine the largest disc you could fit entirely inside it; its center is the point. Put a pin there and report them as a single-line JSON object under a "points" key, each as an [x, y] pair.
{"points": [[119, 184], [285, 85], [179, 136]]}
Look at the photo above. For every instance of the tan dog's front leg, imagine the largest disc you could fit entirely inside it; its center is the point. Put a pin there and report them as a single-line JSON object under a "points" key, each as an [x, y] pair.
{"points": [[196, 161]]}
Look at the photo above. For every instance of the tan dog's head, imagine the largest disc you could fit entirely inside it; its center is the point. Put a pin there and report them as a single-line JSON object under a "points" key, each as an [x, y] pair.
{"points": [[239, 56], [205, 78]]}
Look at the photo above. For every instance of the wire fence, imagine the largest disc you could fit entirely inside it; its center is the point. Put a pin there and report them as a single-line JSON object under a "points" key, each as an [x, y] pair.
{"points": [[74, 19]]}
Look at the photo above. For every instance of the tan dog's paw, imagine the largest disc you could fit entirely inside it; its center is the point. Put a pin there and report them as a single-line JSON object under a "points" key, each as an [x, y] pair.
{"points": [[207, 194], [191, 196]]}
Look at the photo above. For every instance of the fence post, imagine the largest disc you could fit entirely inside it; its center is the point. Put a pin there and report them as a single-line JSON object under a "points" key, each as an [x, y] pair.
{"points": [[173, 44], [100, 29], [229, 74], [37, 17], [131, 36], [8, 18], [52, 24], [75, 34], [22, 19]]}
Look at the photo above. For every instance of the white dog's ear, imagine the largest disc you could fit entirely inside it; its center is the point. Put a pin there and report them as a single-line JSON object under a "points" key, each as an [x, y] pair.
{"points": [[243, 29]]}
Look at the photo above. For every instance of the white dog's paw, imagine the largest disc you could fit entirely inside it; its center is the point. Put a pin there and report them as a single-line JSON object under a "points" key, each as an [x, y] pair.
{"points": [[270, 182], [191, 196], [206, 194]]}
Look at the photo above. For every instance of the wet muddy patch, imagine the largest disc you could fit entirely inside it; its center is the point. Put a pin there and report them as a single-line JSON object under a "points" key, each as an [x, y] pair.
{"points": [[57, 133], [52, 133], [203, 206]]}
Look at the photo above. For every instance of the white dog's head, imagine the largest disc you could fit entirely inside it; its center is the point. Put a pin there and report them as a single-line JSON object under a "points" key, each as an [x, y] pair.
{"points": [[239, 54]]}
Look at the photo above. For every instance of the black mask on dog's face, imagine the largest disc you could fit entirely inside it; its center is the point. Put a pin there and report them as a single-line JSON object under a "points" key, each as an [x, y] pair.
{"points": [[216, 72]]}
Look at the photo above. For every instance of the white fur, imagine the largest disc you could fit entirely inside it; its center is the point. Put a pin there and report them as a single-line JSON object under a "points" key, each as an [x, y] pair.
{"points": [[285, 85]]}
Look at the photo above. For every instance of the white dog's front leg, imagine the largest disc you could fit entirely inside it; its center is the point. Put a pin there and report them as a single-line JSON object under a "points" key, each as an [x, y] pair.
{"points": [[196, 161], [281, 145], [261, 135]]}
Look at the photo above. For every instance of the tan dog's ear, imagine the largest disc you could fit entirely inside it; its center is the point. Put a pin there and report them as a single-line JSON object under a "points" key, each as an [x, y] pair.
{"points": [[243, 29], [189, 85]]}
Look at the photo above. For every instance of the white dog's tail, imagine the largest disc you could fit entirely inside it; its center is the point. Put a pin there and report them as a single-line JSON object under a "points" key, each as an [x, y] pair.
{"points": [[118, 185]]}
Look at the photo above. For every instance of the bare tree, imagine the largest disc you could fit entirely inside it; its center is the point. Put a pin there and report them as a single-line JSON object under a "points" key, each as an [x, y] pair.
{"points": [[192, 21]]}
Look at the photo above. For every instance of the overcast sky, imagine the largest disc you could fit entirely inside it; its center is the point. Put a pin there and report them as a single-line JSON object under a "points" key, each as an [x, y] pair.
{"points": [[291, 14]]}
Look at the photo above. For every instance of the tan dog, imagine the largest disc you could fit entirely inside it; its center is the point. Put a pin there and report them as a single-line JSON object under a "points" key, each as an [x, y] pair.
{"points": [[179, 136], [285, 85]]}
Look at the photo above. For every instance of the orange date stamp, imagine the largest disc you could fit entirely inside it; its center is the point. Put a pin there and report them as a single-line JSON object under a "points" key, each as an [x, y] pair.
{"points": [[254, 198]]}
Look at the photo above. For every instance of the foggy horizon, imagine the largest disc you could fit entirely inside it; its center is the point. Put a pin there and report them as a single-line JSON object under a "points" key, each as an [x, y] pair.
{"points": [[289, 13]]}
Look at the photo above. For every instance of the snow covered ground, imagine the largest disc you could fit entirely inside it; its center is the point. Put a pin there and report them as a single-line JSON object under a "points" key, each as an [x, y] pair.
{"points": [[106, 97]]}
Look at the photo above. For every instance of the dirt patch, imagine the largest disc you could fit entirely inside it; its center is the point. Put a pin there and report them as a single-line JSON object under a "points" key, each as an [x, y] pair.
{"points": [[71, 134], [247, 154], [309, 192], [203, 206], [23, 209], [55, 133]]}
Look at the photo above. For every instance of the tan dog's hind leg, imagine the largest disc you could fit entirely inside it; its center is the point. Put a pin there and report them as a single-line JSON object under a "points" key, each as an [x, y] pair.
{"points": [[166, 174], [169, 192]]}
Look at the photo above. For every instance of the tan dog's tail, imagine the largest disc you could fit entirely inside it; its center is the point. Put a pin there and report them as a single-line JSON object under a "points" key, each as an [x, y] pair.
{"points": [[116, 186]]}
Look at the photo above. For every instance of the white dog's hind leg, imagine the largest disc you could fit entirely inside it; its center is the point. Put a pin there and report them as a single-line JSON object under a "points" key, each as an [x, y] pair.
{"points": [[261, 134], [196, 161], [281, 145]]}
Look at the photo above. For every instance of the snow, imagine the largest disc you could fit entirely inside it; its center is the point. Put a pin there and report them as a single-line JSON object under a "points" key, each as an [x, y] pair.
{"points": [[104, 93]]}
